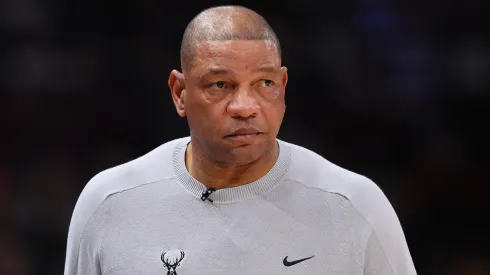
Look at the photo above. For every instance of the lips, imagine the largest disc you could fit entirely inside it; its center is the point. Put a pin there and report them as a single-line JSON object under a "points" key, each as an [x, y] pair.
{"points": [[244, 132], [244, 136]]}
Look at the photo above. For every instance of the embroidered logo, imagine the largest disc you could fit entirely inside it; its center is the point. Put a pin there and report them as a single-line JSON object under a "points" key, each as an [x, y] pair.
{"points": [[291, 263], [172, 261]]}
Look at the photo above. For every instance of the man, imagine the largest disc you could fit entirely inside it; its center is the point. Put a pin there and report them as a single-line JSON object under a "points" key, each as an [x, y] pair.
{"points": [[231, 198]]}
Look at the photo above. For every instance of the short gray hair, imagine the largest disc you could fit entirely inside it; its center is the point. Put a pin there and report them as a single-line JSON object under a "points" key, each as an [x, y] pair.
{"points": [[224, 23]]}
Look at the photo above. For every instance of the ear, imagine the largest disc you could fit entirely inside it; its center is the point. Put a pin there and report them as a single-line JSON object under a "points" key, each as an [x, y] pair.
{"points": [[176, 83], [285, 76]]}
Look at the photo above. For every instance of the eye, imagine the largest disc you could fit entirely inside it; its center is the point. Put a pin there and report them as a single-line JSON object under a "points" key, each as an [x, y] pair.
{"points": [[220, 84], [267, 82]]}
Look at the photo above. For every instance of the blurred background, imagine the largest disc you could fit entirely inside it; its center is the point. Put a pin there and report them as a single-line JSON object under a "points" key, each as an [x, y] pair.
{"points": [[394, 90]]}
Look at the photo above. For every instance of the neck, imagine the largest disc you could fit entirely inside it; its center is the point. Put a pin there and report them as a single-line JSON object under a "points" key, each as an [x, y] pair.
{"points": [[218, 175]]}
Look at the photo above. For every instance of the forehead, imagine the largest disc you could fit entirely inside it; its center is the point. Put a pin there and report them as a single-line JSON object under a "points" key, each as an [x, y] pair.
{"points": [[237, 55]]}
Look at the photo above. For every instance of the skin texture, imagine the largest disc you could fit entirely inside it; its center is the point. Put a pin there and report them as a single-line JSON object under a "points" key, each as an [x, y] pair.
{"points": [[231, 85]]}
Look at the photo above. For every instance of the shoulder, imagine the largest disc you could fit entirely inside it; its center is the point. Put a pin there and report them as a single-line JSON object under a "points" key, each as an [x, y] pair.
{"points": [[314, 171], [85, 226], [154, 166]]}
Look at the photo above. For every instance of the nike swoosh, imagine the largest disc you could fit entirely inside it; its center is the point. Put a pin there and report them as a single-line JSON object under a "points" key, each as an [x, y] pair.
{"points": [[287, 263]]}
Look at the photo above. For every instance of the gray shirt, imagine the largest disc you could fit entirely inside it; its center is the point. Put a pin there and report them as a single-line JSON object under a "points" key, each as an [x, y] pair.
{"points": [[306, 216]]}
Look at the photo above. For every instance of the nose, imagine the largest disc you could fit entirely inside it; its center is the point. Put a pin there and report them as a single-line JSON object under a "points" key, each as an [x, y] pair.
{"points": [[243, 104]]}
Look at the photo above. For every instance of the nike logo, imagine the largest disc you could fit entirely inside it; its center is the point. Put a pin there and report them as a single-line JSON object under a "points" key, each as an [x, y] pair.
{"points": [[287, 263]]}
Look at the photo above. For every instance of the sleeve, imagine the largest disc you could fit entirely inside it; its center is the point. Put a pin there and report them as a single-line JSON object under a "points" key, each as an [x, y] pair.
{"points": [[86, 229], [386, 250]]}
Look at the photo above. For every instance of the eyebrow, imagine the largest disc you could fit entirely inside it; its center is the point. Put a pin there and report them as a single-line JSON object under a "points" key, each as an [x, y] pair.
{"points": [[218, 71], [266, 69], [221, 71]]}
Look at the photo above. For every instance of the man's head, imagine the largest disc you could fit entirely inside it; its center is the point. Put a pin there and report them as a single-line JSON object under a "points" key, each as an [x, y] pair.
{"points": [[232, 86]]}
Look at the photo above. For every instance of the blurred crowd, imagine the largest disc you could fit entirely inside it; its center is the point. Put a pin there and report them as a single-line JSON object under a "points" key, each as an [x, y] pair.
{"points": [[394, 90]]}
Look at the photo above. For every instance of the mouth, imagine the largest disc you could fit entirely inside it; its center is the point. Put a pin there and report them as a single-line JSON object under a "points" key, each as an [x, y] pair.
{"points": [[244, 135]]}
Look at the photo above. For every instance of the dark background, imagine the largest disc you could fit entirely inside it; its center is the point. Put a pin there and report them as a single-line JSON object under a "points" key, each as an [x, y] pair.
{"points": [[394, 90]]}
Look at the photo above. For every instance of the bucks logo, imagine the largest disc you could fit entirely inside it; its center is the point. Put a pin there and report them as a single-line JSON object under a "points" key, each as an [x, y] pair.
{"points": [[171, 260]]}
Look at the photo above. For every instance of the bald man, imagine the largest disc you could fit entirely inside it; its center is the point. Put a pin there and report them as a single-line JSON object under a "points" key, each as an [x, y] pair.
{"points": [[232, 198]]}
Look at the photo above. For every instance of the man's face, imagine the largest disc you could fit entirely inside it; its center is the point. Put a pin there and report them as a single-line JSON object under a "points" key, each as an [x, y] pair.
{"points": [[234, 98]]}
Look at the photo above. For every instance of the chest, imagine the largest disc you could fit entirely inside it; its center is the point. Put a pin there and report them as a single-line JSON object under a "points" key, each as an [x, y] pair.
{"points": [[219, 240]]}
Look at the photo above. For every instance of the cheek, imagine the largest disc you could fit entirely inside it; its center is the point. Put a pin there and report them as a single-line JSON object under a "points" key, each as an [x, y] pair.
{"points": [[274, 113], [205, 116], [277, 95], [213, 97], [274, 96]]}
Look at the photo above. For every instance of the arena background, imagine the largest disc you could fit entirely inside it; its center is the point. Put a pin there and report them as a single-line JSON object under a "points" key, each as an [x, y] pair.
{"points": [[394, 90]]}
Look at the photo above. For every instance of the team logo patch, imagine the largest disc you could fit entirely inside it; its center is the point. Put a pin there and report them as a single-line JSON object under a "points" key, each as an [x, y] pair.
{"points": [[171, 260]]}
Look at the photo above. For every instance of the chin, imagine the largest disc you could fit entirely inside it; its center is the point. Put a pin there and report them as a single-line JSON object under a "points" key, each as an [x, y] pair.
{"points": [[245, 155]]}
